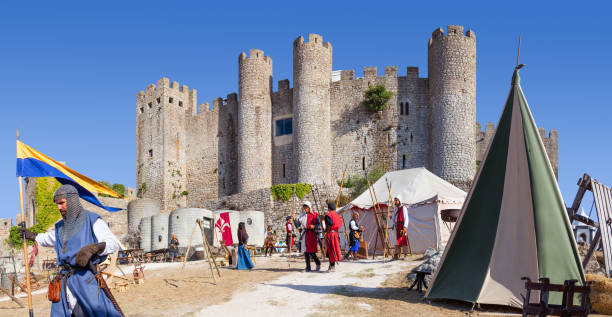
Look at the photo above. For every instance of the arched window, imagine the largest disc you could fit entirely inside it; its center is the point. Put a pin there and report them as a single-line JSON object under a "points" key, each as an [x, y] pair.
{"points": [[404, 164], [411, 138]]}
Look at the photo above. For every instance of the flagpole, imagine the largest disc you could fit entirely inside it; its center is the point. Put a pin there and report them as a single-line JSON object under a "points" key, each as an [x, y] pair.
{"points": [[25, 244]]}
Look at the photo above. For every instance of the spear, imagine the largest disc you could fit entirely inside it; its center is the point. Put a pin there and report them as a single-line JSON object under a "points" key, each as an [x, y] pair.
{"points": [[25, 244]]}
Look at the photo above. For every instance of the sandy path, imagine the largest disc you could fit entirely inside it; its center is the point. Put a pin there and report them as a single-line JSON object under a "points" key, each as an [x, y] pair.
{"points": [[302, 294]]}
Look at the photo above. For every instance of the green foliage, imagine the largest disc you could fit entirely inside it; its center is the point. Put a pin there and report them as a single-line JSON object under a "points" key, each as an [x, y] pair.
{"points": [[184, 193], [377, 98], [360, 184], [285, 191], [117, 188], [142, 189], [47, 213], [349, 182]]}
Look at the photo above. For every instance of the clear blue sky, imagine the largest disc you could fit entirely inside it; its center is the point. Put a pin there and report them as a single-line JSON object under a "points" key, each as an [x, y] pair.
{"points": [[70, 72]]}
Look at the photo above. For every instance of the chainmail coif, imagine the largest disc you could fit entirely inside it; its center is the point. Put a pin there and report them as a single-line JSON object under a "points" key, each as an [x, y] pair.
{"points": [[75, 214]]}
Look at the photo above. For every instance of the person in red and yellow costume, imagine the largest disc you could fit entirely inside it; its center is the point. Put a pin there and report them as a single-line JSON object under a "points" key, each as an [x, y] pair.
{"points": [[401, 227]]}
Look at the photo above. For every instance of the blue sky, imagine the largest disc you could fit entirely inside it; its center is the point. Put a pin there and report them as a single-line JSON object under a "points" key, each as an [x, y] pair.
{"points": [[71, 70]]}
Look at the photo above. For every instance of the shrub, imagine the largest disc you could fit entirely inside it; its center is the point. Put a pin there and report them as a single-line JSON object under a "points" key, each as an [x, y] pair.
{"points": [[377, 98], [285, 191]]}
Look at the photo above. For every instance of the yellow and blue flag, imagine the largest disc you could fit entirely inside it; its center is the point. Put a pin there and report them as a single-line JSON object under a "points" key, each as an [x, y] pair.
{"points": [[31, 163]]}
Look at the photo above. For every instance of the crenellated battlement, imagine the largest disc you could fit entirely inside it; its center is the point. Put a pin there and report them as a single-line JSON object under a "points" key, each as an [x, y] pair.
{"points": [[313, 39], [254, 54], [283, 85], [171, 86], [452, 30]]}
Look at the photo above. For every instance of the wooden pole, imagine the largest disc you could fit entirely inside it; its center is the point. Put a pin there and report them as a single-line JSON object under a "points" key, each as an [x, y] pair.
{"points": [[346, 237], [292, 228], [209, 255], [189, 246], [13, 298], [25, 244]]}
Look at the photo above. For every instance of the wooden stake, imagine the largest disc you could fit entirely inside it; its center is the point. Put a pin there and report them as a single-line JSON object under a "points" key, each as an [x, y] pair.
{"points": [[13, 298], [25, 244], [189, 246], [208, 255]]}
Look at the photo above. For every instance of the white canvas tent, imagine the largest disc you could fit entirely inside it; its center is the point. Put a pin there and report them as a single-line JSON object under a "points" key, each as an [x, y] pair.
{"points": [[424, 193]]}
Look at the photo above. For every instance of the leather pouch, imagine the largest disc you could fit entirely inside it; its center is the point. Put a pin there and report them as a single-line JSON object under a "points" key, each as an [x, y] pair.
{"points": [[55, 289]]}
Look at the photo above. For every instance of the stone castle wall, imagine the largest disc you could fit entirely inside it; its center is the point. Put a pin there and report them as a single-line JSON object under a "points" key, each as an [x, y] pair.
{"points": [[254, 121], [452, 86], [430, 122]]}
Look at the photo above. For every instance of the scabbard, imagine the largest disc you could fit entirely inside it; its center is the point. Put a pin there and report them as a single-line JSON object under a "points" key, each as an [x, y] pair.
{"points": [[104, 287]]}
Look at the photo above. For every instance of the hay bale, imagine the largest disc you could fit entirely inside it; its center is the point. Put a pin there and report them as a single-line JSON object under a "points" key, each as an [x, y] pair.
{"points": [[601, 293]]}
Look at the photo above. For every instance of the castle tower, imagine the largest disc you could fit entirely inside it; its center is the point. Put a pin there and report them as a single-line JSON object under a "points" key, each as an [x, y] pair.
{"points": [[254, 121], [312, 66], [161, 142], [452, 88]]}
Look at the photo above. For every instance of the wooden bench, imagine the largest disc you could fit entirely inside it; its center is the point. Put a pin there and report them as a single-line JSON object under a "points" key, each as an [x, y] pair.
{"points": [[567, 307]]}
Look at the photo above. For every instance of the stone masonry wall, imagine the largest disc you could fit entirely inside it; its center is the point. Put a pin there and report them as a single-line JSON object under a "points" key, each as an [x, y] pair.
{"points": [[254, 121], [189, 156], [312, 66], [452, 87]]}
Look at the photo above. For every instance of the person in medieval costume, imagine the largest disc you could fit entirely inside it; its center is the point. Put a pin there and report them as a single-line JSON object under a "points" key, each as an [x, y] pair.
{"points": [[354, 236], [244, 258], [173, 247], [81, 240], [401, 227], [289, 239], [309, 222], [333, 224]]}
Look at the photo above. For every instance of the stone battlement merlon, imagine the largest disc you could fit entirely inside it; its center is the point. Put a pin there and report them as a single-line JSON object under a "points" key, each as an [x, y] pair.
{"points": [[283, 85], [165, 83], [452, 30], [313, 39], [254, 54]]}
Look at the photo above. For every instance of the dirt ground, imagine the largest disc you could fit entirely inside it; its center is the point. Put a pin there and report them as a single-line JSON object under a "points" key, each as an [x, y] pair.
{"points": [[170, 292]]}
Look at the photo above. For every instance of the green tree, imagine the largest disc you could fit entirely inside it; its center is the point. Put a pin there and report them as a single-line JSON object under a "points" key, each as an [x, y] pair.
{"points": [[377, 98]]}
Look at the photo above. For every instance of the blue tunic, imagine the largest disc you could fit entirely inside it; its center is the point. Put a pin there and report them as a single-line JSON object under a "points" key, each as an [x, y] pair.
{"points": [[82, 283], [244, 259]]}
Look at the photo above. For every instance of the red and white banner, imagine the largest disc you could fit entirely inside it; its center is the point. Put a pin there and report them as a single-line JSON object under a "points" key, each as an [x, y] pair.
{"points": [[224, 228]]}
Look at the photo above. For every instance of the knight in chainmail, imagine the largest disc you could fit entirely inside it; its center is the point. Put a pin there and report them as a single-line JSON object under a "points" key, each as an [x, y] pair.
{"points": [[81, 240]]}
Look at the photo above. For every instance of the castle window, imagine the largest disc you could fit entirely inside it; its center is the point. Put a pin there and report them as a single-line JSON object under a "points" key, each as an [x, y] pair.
{"points": [[284, 127], [150, 153], [180, 103], [150, 105], [363, 163], [411, 138], [284, 171], [404, 161], [171, 100], [141, 109], [407, 111], [158, 100], [401, 108]]}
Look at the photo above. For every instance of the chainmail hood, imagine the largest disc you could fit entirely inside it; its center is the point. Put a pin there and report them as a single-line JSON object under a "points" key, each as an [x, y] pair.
{"points": [[75, 214]]}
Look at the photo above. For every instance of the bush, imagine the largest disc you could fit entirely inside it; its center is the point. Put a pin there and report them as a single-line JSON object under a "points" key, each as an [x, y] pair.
{"points": [[117, 188], [377, 98], [47, 213], [360, 184], [285, 191]]}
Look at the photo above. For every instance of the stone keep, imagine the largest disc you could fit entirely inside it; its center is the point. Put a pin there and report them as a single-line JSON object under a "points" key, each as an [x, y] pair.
{"points": [[190, 155], [312, 66], [254, 121], [452, 97]]}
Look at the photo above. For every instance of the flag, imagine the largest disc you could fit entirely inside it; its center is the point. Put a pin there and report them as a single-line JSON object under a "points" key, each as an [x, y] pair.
{"points": [[31, 163], [225, 229]]}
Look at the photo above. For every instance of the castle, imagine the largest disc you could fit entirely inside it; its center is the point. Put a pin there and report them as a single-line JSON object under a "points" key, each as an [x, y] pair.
{"points": [[188, 153]]}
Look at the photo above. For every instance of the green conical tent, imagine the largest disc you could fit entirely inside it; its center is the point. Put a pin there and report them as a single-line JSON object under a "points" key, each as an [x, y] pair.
{"points": [[513, 222]]}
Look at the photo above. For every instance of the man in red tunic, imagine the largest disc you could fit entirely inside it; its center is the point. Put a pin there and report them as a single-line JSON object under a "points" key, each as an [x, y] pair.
{"points": [[401, 227], [310, 223], [333, 222], [289, 239]]}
